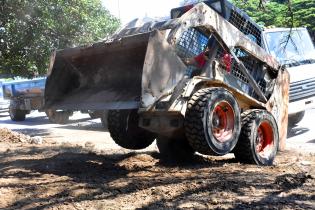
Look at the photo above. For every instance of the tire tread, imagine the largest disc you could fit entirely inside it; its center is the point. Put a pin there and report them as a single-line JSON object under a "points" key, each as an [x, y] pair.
{"points": [[193, 123]]}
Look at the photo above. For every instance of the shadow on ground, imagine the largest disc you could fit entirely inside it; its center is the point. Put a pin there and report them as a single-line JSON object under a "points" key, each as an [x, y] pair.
{"points": [[295, 131], [61, 176], [31, 121], [80, 125], [34, 132], [74, 124], [311, 141]]}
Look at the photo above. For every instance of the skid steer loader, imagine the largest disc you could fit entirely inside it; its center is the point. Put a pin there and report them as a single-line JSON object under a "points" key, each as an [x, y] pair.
{"points": [[236, 103]]}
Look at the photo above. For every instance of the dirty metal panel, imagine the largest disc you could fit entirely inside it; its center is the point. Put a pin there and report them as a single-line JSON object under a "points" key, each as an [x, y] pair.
{"points": [[145, 28], [102, 76], [163, 122], [162, 70], [278, 105], [225, 80]]}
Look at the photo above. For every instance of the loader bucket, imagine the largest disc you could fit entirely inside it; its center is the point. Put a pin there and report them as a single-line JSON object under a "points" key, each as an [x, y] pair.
{"points": [[103, 76]]}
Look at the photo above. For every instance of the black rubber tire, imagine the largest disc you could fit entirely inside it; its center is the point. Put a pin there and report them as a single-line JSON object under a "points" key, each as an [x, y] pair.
{"points": [[246, 149], [198, 116], [125, 131], [58, 117], [177, 149], [295, 118], [17, 114]]}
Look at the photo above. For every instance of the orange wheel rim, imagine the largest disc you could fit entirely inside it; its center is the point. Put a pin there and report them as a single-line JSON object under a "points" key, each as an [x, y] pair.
{"points": [[222, 125], [264, 139]]}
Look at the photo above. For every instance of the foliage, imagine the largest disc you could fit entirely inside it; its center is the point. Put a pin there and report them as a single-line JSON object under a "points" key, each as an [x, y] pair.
{"points": [[277, 12], [304, 14], [30, 30], [272, 13]]}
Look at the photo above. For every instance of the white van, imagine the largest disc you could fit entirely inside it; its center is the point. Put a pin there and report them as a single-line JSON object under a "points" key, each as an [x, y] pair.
{"points": [[294, 49]]}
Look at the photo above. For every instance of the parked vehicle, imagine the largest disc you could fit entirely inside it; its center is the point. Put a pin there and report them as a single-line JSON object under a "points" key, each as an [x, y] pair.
{"points": [[4, 104], [26, 95], [236, 103], [295, 50]]}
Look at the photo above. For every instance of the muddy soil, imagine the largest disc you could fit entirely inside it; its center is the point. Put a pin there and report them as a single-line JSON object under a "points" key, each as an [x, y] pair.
{"points": [[67, 176]]}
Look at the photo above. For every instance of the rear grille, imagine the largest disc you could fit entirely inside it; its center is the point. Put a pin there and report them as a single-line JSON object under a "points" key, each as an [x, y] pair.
{"points": [[254, 67], [191, 43], [302, 89], [245, 26]]}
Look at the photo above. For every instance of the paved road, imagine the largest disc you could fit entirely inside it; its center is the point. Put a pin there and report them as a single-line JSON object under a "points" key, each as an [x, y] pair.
{"points": [[82, 129], [302, 136]]}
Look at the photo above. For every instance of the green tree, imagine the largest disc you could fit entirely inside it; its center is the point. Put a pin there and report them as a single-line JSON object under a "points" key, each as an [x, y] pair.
{"points": [[30, 30], [281, 13], [304, 14], [272, 13]]}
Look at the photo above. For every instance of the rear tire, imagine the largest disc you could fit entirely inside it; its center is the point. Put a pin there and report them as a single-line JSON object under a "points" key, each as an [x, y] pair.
{"points": [[296, 118], [125, 131], [212, 121], [17, 114], [174, 148], [58, 117], [259, 139]]}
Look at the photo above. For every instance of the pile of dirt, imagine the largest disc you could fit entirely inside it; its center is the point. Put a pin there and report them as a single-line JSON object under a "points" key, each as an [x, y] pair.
{"points": [[7, 135]]}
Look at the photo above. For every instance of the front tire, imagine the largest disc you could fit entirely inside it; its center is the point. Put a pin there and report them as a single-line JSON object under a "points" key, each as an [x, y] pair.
{"points": [[212, 121], [259, 139], [17, 114], [125, 131]]}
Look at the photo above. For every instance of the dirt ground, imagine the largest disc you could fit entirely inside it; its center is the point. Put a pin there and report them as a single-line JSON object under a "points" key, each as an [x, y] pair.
{"points": [[51, 175]]}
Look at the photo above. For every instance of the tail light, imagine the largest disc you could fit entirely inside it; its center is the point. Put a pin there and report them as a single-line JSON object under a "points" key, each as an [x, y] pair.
{"points": [[227, 60]]}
